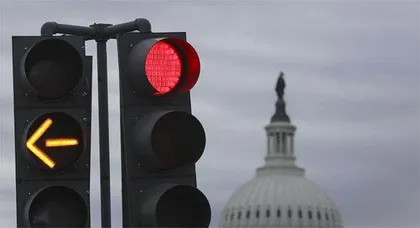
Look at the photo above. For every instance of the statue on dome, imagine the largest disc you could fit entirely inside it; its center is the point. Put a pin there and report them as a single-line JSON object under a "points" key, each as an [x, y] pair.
{"points": [[281, 84], [280, 115]]}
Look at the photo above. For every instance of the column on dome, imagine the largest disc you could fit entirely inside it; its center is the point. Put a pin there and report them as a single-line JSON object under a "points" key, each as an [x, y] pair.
{"points": [[292, 144], [284, 144], [278, 142], [269, 147], [275, 143], [272, 140], [287, 139]]}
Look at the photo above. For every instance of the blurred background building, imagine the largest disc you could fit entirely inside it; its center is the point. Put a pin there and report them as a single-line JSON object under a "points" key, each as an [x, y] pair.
{"points": [[280, 195]]}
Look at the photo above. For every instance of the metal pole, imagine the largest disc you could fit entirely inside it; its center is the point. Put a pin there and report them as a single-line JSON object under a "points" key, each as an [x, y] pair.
{"points": [[104, 134]]}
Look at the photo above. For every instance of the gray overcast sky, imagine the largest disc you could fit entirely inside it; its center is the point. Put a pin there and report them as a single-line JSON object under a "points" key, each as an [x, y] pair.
{"points": [[352, 73]]}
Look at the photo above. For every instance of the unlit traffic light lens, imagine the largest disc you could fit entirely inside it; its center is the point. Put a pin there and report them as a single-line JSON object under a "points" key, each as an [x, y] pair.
{"points": [[183, 206], [57, 206], [55, 141], [160, 67], [53, 68], [171, 205], [170, 138]]}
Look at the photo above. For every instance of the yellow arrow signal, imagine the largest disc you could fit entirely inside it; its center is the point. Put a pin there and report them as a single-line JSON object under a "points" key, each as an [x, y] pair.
{"points": [[61, 142], [48, 143], [34, 137]]}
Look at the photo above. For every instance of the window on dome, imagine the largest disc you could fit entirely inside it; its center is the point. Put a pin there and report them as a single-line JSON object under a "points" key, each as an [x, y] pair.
{"points": [[247, 214], [318, 214], [310, 214], [267, 213], [231, 216], [257, 214], [227, 216], [300, 213], [278, 213], [333, 216], [289, 212], [326, 216], [239, 215]]}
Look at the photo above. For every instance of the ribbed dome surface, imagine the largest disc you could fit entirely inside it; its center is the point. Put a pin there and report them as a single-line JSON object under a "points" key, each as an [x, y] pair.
{"points": [[267, 201]]}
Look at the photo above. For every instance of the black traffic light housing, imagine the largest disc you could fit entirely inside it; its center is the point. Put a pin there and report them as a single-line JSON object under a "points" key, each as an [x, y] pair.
{"points": [[160, 139], [52, 81]]}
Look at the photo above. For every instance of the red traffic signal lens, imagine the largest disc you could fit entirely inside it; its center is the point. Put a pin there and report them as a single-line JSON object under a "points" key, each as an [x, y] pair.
{"points": [[56, 206], [163, 67], [53, 69], [160, 67]]}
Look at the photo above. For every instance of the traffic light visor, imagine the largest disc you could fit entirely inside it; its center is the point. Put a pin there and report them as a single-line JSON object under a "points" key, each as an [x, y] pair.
{"points": [[56, 206], [163, 66], [53, 68]]}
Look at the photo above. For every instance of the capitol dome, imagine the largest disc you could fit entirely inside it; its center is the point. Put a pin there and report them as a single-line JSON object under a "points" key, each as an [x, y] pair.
{"points": [[280, 195]]}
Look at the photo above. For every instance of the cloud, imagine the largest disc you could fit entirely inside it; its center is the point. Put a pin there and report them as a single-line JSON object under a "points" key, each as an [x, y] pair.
{"points": [[352, 73]]}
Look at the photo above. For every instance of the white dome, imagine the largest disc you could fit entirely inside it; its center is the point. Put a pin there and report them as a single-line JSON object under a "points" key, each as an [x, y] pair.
{"points": [[266, 201], [280, 196]]}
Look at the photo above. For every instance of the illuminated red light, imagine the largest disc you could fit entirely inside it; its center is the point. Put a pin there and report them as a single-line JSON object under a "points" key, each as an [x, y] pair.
{"points": [[163, 67]]}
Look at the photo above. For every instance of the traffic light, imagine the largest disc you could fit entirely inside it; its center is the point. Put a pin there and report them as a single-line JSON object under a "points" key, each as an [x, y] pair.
{"points": [[160, 139], [52, 113]]}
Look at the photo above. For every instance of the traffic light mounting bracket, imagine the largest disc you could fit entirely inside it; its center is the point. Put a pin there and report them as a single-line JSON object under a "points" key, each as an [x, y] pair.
{"points": [[101, 33]]}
